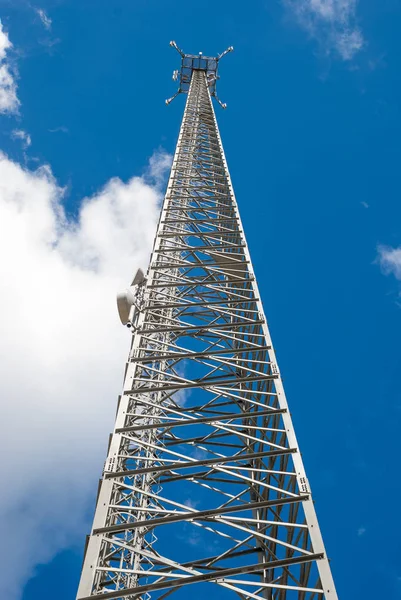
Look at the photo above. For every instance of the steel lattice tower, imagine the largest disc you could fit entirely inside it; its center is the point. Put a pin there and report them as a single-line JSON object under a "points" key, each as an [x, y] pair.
{"points": [[204, 491]]}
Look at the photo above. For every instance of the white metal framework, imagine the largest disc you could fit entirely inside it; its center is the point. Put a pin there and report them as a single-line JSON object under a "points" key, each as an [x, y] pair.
{"points": [[204, 492]]}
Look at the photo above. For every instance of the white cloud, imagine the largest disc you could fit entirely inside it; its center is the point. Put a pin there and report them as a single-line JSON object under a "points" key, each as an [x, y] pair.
{"points": [[9, 102], [331, 22], [158, 163], [390, 260], [47, 22], [62, 351], [60, 129], [20, 134]]}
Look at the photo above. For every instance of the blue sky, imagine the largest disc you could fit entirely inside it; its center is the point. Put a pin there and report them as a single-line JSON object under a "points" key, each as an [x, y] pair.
{"points": [[312, 138]]}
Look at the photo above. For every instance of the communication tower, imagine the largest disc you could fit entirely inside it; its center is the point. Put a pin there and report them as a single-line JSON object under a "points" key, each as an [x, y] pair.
{"points": [[204, 492]]}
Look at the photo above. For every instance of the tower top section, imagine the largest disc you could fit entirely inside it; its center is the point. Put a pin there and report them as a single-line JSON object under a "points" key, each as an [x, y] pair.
{"points": [[197, 62]]}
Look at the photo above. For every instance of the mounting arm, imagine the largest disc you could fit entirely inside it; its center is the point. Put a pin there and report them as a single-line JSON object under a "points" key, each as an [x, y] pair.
{"points": [[229, 49]]}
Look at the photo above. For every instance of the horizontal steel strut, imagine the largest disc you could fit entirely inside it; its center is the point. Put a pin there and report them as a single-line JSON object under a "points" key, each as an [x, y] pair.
{"points": [[204, 483]]}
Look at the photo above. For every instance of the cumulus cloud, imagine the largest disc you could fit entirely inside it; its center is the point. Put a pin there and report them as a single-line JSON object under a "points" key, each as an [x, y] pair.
{"points": [[62, 350], [9, 102], [331, 22], [20, 134], [158, 163], [390, 260], [47, 22]]}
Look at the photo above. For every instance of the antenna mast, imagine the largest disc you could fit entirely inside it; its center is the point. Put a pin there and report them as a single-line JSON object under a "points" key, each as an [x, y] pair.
{"points": [[204, 491]]}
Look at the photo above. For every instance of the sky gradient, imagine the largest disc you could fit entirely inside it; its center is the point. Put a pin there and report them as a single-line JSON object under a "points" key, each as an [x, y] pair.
{"points": [[312, 138]]}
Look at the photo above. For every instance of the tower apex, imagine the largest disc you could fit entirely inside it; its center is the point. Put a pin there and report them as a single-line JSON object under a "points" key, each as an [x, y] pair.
{"points": [[197, 62]]}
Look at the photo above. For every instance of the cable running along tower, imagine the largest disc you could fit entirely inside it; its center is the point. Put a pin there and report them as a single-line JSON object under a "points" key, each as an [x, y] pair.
{"points": [[204, 494]]}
